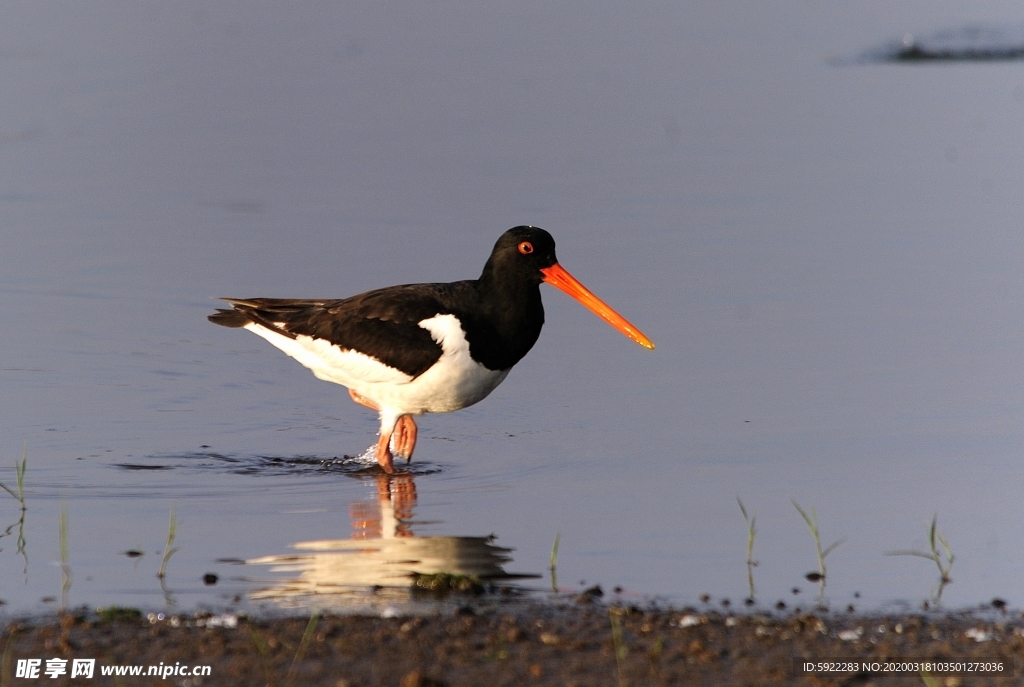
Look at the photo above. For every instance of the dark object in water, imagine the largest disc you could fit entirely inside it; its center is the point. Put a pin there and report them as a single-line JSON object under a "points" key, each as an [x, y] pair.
{"points": [[112, 614], [968, 44], [917, 53], [446, 583]]}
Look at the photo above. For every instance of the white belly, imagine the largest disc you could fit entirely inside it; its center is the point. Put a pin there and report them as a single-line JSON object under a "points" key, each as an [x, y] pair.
{"points": [[453, 382]]}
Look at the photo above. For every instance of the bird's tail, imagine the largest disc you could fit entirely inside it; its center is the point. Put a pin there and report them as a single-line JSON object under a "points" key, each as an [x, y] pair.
{"points": [[229, 318]]}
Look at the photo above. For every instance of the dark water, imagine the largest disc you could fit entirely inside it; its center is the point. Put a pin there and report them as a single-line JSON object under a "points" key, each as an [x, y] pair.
{"points": [[828, 258]]}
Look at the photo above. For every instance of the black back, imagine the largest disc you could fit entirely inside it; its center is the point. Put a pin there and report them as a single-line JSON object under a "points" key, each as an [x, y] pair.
{"points": [[501, 312]]}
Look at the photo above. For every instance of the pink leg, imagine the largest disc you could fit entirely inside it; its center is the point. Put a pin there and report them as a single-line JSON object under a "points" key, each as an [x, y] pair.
{"points": [[362, 400], [387, 463], [405, 439]]}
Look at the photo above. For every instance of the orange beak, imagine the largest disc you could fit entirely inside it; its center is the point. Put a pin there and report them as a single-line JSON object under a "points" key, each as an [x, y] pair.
{"points": [[559, 278]]}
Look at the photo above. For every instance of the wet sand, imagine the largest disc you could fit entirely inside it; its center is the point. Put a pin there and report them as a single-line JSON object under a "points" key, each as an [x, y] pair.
{"points": [[526, 643]]}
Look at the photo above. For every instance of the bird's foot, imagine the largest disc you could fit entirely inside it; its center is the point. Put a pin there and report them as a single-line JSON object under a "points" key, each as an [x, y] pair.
{"points": [[405, 437]]}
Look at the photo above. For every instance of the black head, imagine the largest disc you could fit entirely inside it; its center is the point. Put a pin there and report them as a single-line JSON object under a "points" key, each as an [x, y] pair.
{"points": [[523, 258], [524, 252]]}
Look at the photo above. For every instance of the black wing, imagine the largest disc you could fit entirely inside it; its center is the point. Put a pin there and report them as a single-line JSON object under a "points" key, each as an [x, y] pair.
{"points": [[382, 323]]}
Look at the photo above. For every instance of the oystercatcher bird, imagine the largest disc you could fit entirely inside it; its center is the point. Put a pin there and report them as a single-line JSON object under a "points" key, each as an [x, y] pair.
{"points": [[424, 348]]}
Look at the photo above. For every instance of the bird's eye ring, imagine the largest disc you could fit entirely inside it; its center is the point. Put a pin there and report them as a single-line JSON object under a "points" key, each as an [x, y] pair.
{"points": [[525, 247]]}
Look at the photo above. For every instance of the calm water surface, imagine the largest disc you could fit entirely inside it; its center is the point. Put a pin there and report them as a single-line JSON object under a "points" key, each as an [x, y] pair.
{"points": [[828, 257]]}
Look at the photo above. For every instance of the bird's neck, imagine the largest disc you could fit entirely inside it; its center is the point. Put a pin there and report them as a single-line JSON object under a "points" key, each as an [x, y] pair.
{"points": [[514, 309]]}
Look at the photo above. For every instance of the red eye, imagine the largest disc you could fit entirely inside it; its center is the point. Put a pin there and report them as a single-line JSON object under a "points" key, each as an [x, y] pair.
{"points": [[525, 247]]}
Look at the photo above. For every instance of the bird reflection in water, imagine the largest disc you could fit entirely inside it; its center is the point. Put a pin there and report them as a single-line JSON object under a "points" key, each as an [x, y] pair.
{"points": [[383, 557], [390, 514]]}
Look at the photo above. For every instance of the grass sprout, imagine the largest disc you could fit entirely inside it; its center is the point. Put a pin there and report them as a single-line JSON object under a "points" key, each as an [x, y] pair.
{"points": [[19, 472], [5, 662], [943, 558], [655, 655], [19, 494], [66, 619], [314, 618], [812, 524], [751, 535], [169, 548], [621, 650], [554, 562], [264, 652], [65, 559]]}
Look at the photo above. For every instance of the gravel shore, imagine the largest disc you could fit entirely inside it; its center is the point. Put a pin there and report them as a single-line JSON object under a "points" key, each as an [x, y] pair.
{"points": [[579, 643]]}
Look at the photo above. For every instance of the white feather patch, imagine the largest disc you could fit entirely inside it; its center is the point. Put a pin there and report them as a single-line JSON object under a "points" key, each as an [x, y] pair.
{"points": [[453, 382], [332, 363]]}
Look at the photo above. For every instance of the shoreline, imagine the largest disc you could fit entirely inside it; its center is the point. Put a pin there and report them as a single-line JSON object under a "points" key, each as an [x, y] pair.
{"points": [[524, 642]]}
